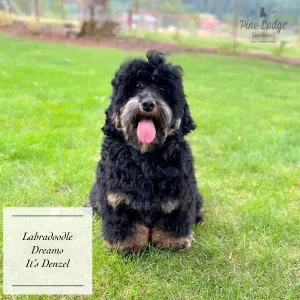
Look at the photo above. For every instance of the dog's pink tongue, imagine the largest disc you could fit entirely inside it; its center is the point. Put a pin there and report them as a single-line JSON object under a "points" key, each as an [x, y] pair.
{"points": [[146, 131]]}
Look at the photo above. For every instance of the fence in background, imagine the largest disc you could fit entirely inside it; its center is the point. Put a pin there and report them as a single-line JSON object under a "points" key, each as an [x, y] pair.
{"points": [[65, 11], [47, 11], [132, 19]]}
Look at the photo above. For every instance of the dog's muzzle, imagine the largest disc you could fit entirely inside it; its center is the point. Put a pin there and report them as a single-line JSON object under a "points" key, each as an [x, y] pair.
{"points": [[145, 119]]}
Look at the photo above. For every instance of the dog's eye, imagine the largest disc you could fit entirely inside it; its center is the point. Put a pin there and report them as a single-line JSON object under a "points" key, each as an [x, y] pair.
{"points": [[138, 85], [162, 88]]}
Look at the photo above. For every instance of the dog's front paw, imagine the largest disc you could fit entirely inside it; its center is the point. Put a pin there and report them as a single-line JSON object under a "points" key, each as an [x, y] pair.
{"points": [[200, 217], [133, 243], [163, 239]]}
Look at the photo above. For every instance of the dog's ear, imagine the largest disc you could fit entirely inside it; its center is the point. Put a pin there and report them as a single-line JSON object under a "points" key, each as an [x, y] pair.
{"points": [[108, 126], [111, 119], [187, 123], [111, 122], [115, 84]]}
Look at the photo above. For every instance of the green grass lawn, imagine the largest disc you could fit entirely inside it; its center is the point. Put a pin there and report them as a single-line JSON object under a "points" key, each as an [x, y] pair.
{"points": [[247, 158]]}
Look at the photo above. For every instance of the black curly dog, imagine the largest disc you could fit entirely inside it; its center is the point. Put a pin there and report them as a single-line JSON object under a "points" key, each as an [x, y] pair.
{"points": [[145, 189]]}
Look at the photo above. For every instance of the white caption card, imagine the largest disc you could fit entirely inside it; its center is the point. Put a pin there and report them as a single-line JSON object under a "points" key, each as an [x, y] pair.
{"points": [[47, 251]]}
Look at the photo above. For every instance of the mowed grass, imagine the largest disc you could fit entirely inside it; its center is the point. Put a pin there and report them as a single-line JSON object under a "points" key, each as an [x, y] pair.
{"points": [[246, 149]]}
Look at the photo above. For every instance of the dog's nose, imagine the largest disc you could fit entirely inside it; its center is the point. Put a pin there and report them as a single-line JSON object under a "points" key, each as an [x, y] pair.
{"points": [[148, 105]]}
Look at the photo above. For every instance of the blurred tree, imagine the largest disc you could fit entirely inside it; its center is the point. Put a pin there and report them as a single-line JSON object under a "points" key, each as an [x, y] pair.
{"points": [[96, 21], [95, 10]]}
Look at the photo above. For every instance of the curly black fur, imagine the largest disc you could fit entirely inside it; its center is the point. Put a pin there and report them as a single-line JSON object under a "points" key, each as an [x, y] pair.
{"points": [[154, 187]]}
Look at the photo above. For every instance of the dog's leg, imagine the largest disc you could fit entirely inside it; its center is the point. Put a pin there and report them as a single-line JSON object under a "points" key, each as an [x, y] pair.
{"points": [[122, 232], [173, 231], [199, 212], [94, 200]]}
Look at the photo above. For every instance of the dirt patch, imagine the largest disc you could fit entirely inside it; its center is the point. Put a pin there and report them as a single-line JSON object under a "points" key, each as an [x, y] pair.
{"points": [[56, 35]]}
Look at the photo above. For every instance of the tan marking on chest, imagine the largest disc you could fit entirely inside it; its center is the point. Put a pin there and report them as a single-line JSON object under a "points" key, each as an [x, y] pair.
{"points": [[169, 206], [115, 199]]}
